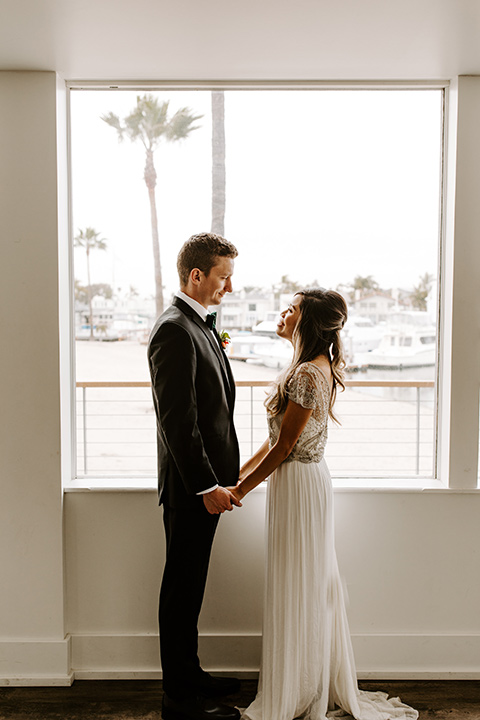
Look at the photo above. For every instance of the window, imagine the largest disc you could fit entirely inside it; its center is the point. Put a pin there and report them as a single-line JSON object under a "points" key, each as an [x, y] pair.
{"points": [[327, 187]]}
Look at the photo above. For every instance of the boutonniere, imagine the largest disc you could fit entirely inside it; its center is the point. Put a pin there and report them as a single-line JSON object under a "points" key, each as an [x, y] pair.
{"points": [[224, 339]]}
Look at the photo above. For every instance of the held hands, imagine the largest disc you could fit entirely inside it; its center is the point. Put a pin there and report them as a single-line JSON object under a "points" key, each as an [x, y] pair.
{"points": [[237, 493], [220, 499]]}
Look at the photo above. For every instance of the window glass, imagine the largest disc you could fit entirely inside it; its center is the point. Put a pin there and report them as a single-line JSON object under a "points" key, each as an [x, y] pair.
{"points": [[322, 187]]}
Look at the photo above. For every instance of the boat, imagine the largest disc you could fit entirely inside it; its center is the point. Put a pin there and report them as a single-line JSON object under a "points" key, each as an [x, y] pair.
{"points": [[409, 340], [269, 349], [242, 346], [359, 336], [274, 354], [104, 335], [260, 349], [268, 327]]}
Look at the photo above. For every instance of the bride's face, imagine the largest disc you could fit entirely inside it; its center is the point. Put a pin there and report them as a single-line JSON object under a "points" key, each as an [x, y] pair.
{"points": [[289, 318]]}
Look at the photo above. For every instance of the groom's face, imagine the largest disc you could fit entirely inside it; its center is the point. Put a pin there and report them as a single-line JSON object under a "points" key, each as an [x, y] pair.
{"points": [[218, 282]]}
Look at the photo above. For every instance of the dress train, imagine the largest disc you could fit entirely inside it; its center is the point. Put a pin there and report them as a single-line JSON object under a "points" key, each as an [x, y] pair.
{"points": [[308, 667]]}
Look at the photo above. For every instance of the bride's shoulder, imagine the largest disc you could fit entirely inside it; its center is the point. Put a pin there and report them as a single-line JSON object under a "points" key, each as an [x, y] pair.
{"points": [[308, 379], [319, 371]]}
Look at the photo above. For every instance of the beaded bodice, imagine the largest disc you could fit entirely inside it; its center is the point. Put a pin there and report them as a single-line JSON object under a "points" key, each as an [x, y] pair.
{"points": [[309, 388]]}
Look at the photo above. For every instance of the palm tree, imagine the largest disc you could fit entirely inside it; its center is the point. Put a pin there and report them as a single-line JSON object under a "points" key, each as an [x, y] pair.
{"points": [[285, 286], [364, 284], [89, 240], [218, 162], [421, 291], [427, 280], [149, 124]]}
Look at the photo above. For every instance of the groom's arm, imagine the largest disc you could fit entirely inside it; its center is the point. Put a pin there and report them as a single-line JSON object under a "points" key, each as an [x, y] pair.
{"points": [[173, 367], [172, 360]]}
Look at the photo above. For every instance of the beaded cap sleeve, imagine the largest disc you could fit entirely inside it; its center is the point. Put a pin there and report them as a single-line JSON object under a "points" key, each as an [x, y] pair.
{"points": [[309, 388]]}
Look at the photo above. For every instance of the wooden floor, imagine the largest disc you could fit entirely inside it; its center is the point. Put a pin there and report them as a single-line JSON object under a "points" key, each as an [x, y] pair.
{"points": [[142, 699]]}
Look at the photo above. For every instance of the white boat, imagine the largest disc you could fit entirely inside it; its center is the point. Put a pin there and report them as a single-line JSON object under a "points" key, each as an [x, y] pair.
{"points": [[261, 349], [274, 354], [242, 346], [270, 350], [108, 335], [268, 327], [360, 335], [409, 340]]}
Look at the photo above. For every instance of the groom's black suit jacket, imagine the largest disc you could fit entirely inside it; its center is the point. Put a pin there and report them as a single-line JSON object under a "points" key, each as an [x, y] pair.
{"points": [[193, 394]]}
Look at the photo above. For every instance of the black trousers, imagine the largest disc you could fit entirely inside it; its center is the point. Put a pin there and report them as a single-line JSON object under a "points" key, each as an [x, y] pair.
{"points": [[189, 535]]}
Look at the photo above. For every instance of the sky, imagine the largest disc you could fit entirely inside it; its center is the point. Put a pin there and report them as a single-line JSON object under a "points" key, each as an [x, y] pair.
{"points": [[321, 186]]}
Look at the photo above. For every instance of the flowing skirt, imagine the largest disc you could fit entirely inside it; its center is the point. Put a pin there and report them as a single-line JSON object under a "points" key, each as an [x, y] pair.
{"points": [[308, 668]]}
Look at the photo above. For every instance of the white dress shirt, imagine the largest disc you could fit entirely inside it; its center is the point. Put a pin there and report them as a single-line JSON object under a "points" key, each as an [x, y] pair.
{"points": [[203, 312]]}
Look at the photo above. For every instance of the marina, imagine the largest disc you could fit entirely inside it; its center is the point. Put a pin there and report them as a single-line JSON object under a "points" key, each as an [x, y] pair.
{"points": [[387, 416], [406, 340]]}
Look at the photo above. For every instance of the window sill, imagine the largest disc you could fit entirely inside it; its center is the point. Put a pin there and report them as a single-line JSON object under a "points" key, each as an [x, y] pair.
{"points": [[133, 484], [360, 485]]}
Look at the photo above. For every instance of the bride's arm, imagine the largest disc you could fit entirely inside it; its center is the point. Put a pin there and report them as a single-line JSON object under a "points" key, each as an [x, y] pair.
{"points": [[294, 421], [252, 463]]}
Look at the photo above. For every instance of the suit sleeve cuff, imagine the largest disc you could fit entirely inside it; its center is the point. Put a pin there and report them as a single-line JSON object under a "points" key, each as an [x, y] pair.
{"points": [[204, 492]]}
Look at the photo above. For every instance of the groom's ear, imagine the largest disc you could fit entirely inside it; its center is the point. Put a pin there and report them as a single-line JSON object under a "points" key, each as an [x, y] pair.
{"points": [[195, 276]]}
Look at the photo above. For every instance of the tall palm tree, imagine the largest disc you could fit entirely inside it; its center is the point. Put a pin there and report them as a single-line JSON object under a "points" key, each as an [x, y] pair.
{"points": [[218, 170], [149, 123], [89, 240], [218, 162]]}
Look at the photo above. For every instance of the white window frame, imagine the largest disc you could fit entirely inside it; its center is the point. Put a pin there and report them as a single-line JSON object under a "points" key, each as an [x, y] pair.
{"points": [[457, 415], [459, 322]]}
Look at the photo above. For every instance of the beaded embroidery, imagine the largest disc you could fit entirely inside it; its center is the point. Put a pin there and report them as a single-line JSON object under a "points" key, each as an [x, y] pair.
{"points": [[309, 388]]}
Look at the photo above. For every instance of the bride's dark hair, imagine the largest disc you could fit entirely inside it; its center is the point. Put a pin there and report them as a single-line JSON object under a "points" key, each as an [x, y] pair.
{"points": [[323, 314]]}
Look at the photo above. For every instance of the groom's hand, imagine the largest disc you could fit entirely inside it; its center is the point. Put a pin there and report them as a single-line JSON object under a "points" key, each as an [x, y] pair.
{"points": [[219, 500]]}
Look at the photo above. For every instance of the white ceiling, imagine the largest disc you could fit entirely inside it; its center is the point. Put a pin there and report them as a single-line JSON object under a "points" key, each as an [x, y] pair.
{"points": [[242, 39]]}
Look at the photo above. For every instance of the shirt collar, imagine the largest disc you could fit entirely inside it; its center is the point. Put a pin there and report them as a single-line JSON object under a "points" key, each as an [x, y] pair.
{"points": [[199, 309]]}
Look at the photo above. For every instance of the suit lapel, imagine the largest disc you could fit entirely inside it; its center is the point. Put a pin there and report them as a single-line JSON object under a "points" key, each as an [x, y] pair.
{"points": [[226, 363], [215, 344]]}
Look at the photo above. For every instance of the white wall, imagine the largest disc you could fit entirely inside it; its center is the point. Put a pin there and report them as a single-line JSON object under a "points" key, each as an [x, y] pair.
{"points": [[31, 546], [409, 561], [409, 558]]}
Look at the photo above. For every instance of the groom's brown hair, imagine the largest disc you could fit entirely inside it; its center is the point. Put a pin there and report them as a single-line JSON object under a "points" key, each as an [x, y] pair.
{"points": [[201, 251]]}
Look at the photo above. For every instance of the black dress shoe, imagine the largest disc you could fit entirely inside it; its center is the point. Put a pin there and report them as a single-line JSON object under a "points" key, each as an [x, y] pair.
{"points": [[211, 686], [199, 708]]}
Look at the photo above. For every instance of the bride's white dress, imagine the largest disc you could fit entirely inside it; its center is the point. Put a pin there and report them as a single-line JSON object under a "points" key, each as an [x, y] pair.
{"points": [[308, 668]]}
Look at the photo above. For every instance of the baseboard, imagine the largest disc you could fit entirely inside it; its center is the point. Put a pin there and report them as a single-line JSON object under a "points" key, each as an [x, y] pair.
{"points": [[153, 675], [110, 656], [35, 662], [378, 656], [417, 656], [136, 657], [422, 676]]}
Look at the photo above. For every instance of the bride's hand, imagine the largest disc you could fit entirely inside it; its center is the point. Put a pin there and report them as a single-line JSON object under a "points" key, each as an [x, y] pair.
{"points": [[235, 491]]}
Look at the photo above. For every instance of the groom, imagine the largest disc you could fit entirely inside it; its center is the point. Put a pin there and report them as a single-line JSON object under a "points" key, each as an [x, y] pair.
{"points": [[193, 394]]}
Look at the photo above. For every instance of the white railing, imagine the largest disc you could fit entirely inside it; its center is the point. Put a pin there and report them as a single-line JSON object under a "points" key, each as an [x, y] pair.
{"points": [[387, 428]]}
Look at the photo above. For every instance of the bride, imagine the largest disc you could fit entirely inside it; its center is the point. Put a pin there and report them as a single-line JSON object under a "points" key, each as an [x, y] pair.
{"points": [[308, 669]]}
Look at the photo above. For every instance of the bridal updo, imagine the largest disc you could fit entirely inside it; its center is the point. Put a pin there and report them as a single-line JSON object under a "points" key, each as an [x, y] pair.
{"points": [[323, 313]]}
